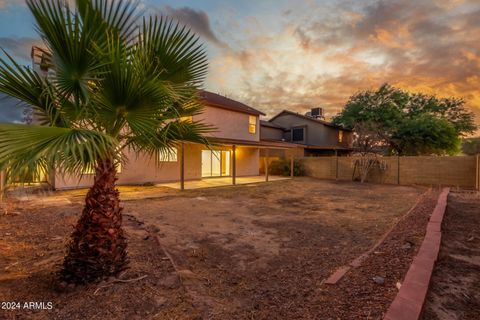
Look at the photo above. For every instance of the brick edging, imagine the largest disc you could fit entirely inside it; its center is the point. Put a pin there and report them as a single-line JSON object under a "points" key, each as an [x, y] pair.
{"points": [[409, 301], [339, 273]]}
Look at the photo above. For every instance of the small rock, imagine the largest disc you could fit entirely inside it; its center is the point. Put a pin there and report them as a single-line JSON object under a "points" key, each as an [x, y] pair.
{"points": [[378, 280], [160, 301], [154, 229], [398, 285], [146, 237], [407, 246], [170, 282], [187, 274], [201, 198]]}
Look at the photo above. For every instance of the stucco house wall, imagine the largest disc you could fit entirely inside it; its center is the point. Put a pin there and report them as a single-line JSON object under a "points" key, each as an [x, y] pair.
{"points": [[269, 133], [248, 161], [140, 168], [229, 124]]}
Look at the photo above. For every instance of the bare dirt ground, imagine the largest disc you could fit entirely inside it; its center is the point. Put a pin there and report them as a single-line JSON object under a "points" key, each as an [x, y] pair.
{"points": [[455, 285], [246, 252]]}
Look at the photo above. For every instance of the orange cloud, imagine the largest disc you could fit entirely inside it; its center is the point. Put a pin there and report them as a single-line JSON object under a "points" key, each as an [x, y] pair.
{"points": [[321, 58]]}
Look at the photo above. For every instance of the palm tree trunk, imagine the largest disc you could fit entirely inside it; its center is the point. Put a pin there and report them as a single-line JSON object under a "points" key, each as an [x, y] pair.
{"points": [[97, 248]]}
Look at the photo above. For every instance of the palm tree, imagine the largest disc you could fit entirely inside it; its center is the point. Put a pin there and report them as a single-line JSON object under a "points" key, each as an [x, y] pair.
{"points": [[119, 81]]}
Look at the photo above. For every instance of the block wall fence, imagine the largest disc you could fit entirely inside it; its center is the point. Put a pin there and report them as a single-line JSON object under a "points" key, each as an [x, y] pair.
{"points": [[461, 171]]}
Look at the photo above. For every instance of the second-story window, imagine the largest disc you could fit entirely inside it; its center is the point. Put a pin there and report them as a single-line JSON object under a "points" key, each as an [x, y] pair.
{"points": [[340, 136], [297, 134], [252, 124]]}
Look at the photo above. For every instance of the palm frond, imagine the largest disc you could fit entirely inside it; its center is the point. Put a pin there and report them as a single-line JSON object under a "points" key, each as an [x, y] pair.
{"points": [[173, 51], [30, 148], [27, 86], [61, 29], [106, 16]]}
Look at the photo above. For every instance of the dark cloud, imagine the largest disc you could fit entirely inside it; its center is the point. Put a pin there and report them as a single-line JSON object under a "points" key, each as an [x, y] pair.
{"points": [[11, 109], [198, 20], [19, 48]]}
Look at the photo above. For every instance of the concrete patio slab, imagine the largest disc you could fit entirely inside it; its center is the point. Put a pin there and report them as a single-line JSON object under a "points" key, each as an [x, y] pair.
{"points": [[221, 182]]}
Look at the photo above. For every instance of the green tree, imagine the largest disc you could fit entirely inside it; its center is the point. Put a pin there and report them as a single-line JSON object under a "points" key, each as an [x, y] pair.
{"points": [[471, 146], [119, 82], [426, 134], [390, 120]]}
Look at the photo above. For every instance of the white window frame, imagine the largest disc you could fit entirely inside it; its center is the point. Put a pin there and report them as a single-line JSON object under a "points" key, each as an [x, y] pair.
{"points": [[252, 124]]}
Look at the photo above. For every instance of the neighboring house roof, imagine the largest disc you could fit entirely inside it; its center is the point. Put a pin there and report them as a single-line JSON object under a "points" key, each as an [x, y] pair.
{"points": [[326, 123], [271, 125], [220, 101]]}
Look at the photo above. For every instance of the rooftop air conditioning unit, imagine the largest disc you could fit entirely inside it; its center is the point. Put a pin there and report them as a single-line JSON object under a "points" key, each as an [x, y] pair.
{"points": [[316, 113]]}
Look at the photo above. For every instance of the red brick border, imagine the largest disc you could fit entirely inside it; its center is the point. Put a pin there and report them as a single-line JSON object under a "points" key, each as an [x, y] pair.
{"points": [[409, 301], [358, 261]]}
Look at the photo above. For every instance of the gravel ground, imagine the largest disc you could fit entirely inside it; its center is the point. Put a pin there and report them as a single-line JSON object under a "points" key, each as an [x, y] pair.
{"points": [[455, 285], [244, 252]]}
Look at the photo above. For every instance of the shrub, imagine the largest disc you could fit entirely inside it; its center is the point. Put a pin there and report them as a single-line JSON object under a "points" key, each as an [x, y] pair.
{"points": [[282, 168]]}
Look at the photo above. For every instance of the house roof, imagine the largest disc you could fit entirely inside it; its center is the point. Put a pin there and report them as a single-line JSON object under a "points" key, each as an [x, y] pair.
{"points": [[271, 125], [326, 123], [220, 101]]}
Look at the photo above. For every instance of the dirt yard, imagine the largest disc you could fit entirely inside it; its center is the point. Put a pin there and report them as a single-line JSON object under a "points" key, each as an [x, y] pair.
{"points": [[246, 252], [455, 285]]}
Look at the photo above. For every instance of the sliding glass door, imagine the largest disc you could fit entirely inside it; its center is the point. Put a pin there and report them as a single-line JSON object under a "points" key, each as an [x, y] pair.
{"points": [[215, 163]]}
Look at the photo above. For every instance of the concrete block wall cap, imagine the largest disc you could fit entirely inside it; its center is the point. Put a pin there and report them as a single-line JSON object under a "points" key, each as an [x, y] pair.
{"points": [[337, 275], [436, 218], [419, 273], [428, 254], [402, 309], [424, 262], [429, 250], [434, 226], [409, 301], [415, 293], [357, 262], [433, 236]]}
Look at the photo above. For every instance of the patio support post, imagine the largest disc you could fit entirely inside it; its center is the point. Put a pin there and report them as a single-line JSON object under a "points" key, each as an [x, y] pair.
{"points": [[292, 164], [336, 164], [234, 165], [182, 167], [266, 164], [398, 169], [477, 176]]}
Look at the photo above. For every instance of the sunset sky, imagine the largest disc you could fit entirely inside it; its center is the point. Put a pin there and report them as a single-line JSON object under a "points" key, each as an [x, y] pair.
{"points": [[276, 55]]}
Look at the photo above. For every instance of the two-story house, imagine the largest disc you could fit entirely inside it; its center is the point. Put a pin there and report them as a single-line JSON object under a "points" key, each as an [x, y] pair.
{"points": [[317, 136], [236, 150]]}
